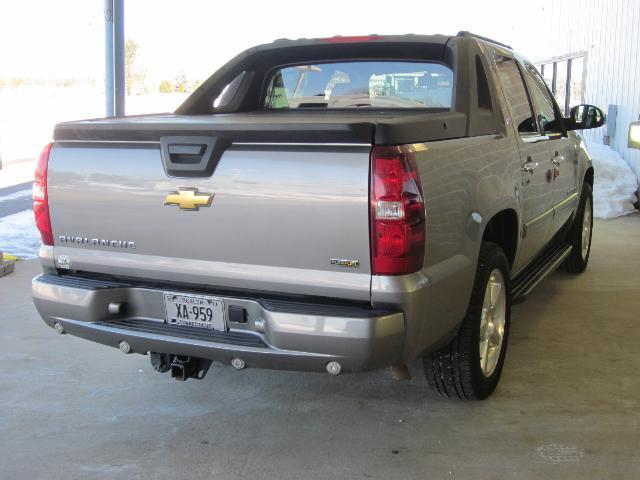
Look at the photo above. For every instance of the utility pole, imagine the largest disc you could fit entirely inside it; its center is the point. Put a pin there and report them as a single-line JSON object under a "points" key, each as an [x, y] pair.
{"points": [[114, 84], [108, 57], [118, 55]]}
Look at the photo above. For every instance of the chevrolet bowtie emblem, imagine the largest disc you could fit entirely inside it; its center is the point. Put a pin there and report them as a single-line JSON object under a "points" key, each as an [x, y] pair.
{"points": [[189, 199]]}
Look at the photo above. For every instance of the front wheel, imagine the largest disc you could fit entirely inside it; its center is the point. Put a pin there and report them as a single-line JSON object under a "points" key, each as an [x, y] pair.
{"points": [[580, 234], [469, 367]]}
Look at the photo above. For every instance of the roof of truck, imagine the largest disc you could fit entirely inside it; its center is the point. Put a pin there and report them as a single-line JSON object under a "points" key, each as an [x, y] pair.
{"points": [[262, 58], [373, 37], [340, 39]]}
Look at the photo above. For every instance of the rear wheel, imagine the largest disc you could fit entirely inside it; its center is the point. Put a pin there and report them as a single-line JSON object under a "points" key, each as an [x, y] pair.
{"points": [[580, 234], [469, 367]]}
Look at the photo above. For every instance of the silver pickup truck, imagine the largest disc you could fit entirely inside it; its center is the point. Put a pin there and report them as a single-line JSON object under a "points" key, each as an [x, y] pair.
{"points": [[331, 205]]}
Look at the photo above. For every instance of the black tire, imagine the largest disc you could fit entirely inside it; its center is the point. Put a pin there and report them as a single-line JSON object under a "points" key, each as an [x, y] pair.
{"points": [[455, 370], [577, 262]]}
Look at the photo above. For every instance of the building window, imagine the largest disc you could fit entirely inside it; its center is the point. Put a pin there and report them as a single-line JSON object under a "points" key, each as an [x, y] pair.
{"points": [[565, 77]]}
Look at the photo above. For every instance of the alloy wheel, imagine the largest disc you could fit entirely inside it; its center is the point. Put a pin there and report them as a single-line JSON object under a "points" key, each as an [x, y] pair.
{"points": [[492, 322], [586, 228]]}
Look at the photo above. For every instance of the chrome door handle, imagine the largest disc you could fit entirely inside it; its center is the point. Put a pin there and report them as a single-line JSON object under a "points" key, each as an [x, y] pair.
{"points": [[529, 167], [557, 159]]}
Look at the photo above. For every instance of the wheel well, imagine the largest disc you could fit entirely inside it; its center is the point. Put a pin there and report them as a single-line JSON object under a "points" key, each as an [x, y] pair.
{"points": [[588, 176], [503, 230]]}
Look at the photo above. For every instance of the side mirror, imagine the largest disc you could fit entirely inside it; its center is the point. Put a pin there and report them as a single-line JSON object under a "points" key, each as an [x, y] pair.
{"points": [[634, 135], [583, 117]]}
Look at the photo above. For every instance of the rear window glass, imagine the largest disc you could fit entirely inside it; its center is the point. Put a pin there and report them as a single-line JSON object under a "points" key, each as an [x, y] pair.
{"points": [[381, 84]]}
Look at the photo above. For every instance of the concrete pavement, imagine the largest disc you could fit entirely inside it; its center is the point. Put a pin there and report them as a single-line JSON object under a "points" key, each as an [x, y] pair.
{"points": [[568, 406]]}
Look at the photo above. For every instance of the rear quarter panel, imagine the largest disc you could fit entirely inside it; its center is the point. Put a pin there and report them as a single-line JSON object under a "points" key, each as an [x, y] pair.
{"points": [[465, 183]]}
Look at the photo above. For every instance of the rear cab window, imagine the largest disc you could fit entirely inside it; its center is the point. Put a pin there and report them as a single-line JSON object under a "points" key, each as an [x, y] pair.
{"points": [[360, 85]]}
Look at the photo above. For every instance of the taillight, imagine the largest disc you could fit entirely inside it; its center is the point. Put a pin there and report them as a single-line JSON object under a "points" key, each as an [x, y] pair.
{"points": [[397, 212], [40, 197]]}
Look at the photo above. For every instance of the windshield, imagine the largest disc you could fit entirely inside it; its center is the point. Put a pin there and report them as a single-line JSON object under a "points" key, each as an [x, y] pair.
{"points": [[358, 84]]}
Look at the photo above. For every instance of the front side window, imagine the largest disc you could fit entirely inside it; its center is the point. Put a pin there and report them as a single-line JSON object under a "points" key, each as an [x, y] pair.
{"points": [[516, 94], [543, 102], [361, 84]]}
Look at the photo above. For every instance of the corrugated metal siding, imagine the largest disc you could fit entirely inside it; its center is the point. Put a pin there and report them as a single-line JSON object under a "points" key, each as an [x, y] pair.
{"points": [[609, 31]]}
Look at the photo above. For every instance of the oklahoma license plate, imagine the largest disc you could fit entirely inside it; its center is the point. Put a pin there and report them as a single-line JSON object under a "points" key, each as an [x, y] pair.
{"points": [[194, 311]]}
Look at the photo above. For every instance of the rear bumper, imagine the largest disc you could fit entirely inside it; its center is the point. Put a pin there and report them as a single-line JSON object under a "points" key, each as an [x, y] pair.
{"points": [[278, 334]]}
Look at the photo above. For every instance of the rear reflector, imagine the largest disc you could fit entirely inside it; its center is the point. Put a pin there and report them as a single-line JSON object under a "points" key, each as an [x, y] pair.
{"points": [[41, 198], [397, 212]]}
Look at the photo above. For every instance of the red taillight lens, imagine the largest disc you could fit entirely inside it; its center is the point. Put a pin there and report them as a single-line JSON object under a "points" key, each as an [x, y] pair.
{"points": [[40, 197], [397, 212]]}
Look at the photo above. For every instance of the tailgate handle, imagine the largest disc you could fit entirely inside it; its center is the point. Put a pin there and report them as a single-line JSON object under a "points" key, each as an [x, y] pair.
{"points": [[178, 149], [191, 156]]}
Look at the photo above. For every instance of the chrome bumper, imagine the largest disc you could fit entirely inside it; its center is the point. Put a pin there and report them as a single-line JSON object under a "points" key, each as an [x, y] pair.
{"points": [[278, 334]]}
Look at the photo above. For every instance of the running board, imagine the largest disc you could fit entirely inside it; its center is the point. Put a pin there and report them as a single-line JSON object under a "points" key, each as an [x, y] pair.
{"points": [[538, 270]]}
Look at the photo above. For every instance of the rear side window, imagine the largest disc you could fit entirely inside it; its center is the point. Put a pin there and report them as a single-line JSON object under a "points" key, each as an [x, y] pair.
{"points": [[359, 84]]}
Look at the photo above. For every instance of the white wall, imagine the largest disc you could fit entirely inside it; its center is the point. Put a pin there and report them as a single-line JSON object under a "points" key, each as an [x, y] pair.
{"points": [[609, 31]]}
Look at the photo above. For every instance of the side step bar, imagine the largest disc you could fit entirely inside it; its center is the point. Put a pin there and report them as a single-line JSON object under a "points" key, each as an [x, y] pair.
{"points": [[538, 270]]}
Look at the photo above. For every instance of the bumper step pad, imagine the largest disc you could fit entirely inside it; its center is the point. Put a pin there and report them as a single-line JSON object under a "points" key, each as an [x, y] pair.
{"points": [[159, 328]]}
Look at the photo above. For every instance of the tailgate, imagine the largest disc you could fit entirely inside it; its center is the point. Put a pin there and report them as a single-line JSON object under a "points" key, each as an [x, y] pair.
{"points": [[270, 218]]}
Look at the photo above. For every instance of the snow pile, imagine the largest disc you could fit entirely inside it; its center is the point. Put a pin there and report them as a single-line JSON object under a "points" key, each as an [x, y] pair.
{"points": [[19, 195], [19, 235], [615, 183]]}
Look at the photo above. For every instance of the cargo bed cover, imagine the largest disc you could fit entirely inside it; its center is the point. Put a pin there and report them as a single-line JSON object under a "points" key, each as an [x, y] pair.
{"points": [[380, 128]]}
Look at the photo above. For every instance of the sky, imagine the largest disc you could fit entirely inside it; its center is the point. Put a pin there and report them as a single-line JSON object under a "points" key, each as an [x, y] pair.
{"points": [[65, 38]]}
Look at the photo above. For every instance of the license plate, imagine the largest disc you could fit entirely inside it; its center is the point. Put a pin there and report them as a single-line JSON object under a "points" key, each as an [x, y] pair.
{"points": [[194, 311]]}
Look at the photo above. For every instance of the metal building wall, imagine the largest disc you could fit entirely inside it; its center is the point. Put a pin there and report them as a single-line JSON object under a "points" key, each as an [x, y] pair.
{"points": [[609, 32]]}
